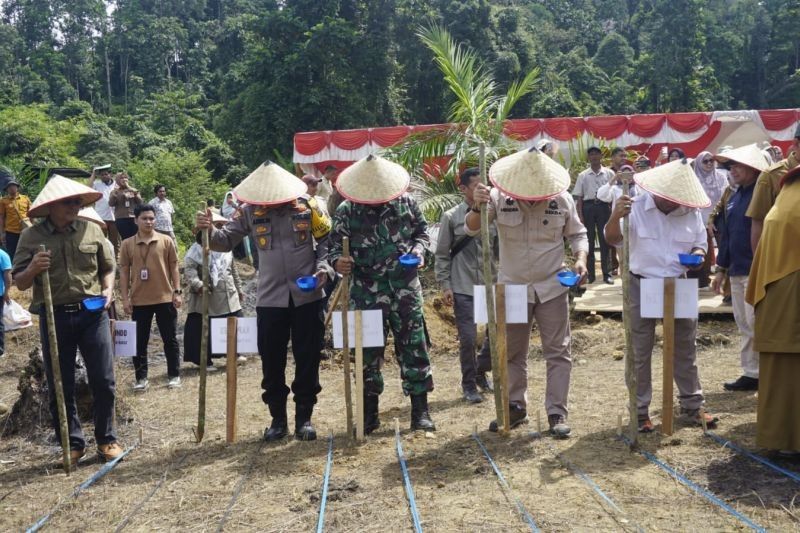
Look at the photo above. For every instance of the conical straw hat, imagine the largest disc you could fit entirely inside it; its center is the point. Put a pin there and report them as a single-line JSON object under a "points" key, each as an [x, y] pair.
{"points": [[676, 182], [373, 180], [90, 215], [749, 155], [60, 188], [269, 184], [529, 175]]}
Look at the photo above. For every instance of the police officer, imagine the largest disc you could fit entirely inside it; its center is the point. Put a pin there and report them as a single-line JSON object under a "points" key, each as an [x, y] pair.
{"points": [[292, 241], [80, 262], [383, 223], [534, 214]]}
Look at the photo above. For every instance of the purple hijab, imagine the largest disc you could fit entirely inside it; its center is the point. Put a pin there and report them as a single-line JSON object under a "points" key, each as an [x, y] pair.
{"points": [[714, 181]]}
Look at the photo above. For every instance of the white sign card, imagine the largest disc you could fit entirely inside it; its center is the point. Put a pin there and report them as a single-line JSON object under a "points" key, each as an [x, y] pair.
{"points": [[652, 298], [372, 329], [516, 304], [124, 338], [246, 335]]}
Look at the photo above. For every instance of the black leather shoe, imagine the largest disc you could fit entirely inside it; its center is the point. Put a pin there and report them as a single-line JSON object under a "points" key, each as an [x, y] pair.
{"points": [[483, 383], [472, 396], [371, 419], [420, 419], [516, 417], [277, 430], [305, 431], [742, 384], [558, 426]]}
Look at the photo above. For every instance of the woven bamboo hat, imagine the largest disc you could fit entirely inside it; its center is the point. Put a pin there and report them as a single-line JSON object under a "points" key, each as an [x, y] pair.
{"points": [[529, 175], [60, 188], [676, 182], [90, 215], [269, 184], [373, 180], [749, 155]]}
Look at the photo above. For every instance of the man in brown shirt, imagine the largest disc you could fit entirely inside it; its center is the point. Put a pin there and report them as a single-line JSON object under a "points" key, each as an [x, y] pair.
{"points": [[149, 283], [768, 187], [124, 200]]}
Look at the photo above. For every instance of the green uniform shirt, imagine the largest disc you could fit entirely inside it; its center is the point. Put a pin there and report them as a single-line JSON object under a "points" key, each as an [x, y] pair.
{"points": [[768, 187], [80, 257]]}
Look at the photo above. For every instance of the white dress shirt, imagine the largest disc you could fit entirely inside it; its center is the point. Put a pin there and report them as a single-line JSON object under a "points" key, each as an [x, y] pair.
{"points": [[102, 207], [657, 239]]}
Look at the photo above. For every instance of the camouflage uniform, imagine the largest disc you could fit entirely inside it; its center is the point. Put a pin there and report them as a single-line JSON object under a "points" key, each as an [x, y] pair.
{"points": [[379, 234]]}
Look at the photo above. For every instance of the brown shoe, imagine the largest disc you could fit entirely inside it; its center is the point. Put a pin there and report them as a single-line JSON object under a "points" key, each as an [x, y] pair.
{"points": [[695, 416], [109, 452], [75, 455], [646, 425]]}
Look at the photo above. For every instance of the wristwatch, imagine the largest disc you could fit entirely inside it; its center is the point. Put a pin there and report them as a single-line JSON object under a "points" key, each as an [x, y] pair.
{"points": [[178, 291]]}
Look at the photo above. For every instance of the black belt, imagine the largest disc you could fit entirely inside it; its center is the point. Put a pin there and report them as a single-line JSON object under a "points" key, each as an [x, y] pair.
{"points": [[68, 308], [596, 202]]}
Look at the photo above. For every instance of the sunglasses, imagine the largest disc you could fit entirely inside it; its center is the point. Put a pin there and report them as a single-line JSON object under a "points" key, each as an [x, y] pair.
{"points": [[72, 202], [707, 161]]}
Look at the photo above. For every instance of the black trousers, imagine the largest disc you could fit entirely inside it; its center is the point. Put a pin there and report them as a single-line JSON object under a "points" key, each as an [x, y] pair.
{"points": [[126, 228], [167, 320], [193, 334], [91, 332], [11, 244], [595, 217], [305, 326]]}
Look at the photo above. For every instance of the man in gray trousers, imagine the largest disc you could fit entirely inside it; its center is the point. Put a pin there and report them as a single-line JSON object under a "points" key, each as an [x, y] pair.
{"points": [[458, 267]]}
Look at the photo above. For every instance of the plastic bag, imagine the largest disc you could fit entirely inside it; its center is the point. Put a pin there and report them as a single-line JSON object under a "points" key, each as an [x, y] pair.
{"points": [[15, 316]]}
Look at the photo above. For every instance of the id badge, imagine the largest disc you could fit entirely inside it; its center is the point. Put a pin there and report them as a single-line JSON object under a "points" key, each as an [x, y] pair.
{"points": [[144, 274], [127, 203]]}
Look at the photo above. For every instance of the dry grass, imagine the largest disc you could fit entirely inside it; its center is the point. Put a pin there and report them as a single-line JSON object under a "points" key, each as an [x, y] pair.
{"points": [[455, 488]]}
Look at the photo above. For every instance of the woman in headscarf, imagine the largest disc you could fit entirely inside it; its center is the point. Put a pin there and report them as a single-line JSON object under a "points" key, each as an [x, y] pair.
{"points": [[774, 290], [224, 298], [712, 179]]}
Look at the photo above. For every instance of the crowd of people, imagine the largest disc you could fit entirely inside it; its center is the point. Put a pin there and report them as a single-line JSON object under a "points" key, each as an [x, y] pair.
{"points": [[736, 210]]}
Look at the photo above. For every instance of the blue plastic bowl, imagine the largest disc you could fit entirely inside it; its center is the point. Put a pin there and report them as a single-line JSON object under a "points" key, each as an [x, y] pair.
{"points": [[94, 303], [409, 260], [568, 278], [690, 260], [307, 283]]}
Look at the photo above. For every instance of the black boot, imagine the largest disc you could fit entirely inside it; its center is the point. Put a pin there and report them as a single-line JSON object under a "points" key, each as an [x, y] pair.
{"points": [[278, 429], [371, 420], [420, 419], [303, 430]]}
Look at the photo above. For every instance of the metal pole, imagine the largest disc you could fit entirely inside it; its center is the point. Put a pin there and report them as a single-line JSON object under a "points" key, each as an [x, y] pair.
{"points": [[55, 368]]}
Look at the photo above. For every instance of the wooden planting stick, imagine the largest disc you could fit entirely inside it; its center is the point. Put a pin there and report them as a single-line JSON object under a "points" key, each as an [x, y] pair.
{"points": [[334, 301], [630, 363], [201, 401], [231, 374], [55, 369], [502, 356], [359, 377], [491, 326], [669, 355], [345, 302]]}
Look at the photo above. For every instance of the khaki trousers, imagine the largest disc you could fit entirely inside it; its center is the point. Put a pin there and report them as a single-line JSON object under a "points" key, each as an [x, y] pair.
{"points": [[690, 394], [552, 317]]}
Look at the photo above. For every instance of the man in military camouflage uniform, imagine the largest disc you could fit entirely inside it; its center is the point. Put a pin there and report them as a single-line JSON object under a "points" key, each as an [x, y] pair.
{"points": [[379, 234]]}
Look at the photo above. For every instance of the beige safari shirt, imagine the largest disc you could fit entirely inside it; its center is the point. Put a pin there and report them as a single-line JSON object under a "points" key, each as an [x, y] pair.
{"points": [[768, 187], [80, 257], [531, 236]]}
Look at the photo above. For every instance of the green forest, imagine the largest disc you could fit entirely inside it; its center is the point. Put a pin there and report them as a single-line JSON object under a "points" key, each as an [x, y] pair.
{"points": [[195, 93]]}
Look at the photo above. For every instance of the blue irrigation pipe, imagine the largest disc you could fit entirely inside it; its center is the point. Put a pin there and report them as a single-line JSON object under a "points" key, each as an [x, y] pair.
{"points": [[80, 488], [521, 508], [412, 502], [323, 499], [699, 490], [763, 460]]}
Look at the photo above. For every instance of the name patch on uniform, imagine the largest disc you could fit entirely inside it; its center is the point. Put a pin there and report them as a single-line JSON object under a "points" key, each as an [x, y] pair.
{"points": [[553, 212], [260, 221], [509, 209]]}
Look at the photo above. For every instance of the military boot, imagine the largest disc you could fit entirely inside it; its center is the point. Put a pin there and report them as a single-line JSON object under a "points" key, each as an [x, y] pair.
{"points": [[303, 430], [278, 429], [420, 419], [371, 420]]}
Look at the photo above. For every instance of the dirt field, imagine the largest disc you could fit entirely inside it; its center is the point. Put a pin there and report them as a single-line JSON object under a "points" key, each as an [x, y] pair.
{"points": [[278, 485]]}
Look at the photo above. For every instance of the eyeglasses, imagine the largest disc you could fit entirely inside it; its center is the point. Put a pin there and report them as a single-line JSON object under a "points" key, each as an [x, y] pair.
{"points": [[71, 201], [707, 161]]}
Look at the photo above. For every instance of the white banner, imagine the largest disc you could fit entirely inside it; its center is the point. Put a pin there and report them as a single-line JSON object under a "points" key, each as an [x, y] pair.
{"points": [[652, 298], [124, 338], [372, 329], [516, 304]]}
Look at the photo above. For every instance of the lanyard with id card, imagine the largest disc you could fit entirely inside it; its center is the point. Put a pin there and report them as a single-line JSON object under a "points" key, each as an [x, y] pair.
{"points": [[144, 273]]}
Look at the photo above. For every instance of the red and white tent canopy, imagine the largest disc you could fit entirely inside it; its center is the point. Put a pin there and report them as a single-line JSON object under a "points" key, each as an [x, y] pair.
{"points": [[692, 132]]}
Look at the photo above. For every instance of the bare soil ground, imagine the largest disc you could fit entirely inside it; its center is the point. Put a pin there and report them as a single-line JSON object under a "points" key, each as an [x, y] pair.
{"points": [[456, 490]]}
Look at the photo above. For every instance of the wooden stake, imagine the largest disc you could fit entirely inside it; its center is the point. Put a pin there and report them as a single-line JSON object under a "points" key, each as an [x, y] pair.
{"points": [[491, 326], [502, 356], [232, 375], [539, 421], [619, 425], [630, 358], [55, 369], [334, 301], [201, 400], [669, 355], [359, 377], [345, 303], [703, 420]]}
